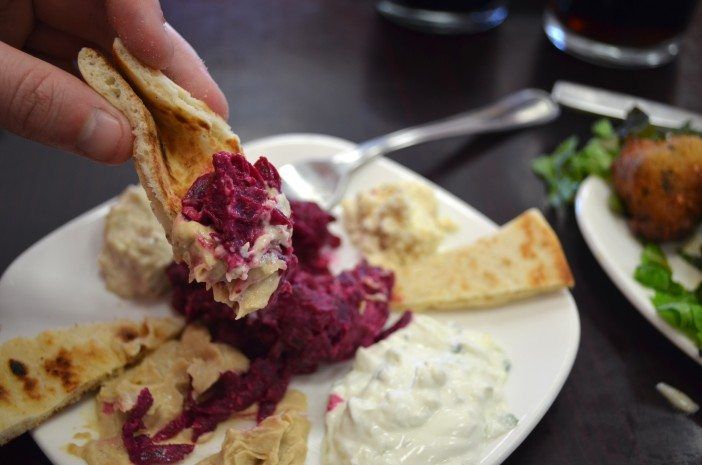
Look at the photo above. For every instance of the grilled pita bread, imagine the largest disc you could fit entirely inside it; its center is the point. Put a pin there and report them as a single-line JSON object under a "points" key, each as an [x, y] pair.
{"points": [[522, 259], [175, 134], [39, 376]]}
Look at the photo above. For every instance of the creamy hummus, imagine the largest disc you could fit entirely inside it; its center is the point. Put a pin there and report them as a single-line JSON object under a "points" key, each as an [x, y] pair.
{"points": [[394, 223], [135, 252], [428, 394], [280, 439], [166, 373], [246, 287], [234, 232]]}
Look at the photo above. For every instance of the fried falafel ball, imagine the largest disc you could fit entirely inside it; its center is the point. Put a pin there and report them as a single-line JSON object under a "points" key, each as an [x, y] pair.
{"points": [[660, 183]]}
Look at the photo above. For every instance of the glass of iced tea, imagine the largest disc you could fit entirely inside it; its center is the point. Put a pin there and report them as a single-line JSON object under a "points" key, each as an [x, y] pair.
{"points": [[624, 33], [445, 16]]}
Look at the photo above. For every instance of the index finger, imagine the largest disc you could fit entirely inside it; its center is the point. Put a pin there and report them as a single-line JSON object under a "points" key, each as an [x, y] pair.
{"points": [[141, 26]]}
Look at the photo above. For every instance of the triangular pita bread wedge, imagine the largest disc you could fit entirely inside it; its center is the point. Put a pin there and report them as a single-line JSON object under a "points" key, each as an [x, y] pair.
{"points": [[522, 259], [174, 139], [38, 376]]}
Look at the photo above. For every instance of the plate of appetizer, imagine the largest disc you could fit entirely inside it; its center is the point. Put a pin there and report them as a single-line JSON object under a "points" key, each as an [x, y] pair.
{"points": [[203, 319], [637, 191]]}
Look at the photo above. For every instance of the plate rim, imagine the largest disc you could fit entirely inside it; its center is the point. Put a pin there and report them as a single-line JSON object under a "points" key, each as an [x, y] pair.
{"points": [[622, 280], [569, 355]]}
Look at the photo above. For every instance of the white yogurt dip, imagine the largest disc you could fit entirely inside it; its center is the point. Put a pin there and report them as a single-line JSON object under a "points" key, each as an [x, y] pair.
{"points": [[428, 394]]}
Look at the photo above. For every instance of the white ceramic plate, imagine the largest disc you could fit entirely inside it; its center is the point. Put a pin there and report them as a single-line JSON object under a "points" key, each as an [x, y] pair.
{"points": [[619, 253], [56, 283]]}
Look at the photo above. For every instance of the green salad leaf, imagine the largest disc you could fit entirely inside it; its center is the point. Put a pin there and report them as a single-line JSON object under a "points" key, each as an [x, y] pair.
{"points": [[569, 165], [565, 168], [679, 307]]}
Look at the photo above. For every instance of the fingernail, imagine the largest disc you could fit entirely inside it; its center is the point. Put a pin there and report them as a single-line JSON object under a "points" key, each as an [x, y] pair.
{"points": [[100, 137]]}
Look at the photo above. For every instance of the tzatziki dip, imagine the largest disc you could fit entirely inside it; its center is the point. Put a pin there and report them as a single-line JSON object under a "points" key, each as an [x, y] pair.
{"points": [[429, 394]]}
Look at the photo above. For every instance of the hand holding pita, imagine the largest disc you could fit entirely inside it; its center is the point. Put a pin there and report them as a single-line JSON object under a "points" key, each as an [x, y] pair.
{"points": [[42, 100]]}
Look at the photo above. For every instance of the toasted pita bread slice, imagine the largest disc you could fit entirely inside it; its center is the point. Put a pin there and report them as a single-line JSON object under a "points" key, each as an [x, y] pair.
{"points": [[522, 259], [175, 133], [39, 376]]}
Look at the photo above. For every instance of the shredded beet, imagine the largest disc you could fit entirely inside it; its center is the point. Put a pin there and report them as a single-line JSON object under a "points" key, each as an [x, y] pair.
{"points": [[333, 401], [141, 448], [321, 319], [317, 318], [231, 393], [401, 322], [235, 200], [108, 408], [312, 240]]}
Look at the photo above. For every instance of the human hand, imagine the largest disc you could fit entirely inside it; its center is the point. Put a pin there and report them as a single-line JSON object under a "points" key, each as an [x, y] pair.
{"points": [[41, 100]]}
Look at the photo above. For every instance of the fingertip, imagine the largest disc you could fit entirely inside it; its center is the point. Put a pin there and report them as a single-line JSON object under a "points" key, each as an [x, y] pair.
{"points": [[216, 100], [156, 51], [189, 71], [141, 26]]}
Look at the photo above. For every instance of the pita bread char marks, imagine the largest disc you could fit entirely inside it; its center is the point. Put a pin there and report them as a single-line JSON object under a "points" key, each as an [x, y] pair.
{"points": [[39, 376], [178, 142], [189, 131], [175, 134], [522, 259]]}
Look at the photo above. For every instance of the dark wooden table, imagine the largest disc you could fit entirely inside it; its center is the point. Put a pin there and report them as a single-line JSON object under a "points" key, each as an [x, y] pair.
{"points": [[335, 67]]}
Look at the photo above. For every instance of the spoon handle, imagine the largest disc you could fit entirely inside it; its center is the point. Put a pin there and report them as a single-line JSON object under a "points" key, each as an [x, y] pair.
{"points": [[523, 108]]}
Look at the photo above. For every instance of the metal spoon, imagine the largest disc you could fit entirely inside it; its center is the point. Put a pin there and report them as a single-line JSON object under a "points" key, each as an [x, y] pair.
{"points": [[324, 181]]}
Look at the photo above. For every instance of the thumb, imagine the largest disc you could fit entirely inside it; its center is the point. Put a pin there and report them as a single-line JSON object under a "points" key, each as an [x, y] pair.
{"points": [[41, 102]]}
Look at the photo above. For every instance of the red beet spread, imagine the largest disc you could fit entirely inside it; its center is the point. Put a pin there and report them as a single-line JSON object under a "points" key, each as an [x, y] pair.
{"points": [[317, 318], [312, 240], [333, 401], [141, 449], [236, 201]]}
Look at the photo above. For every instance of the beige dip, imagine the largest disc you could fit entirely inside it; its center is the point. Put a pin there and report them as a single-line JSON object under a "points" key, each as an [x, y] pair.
{"points": [[247, 287], [280, 439], [135, 252], [166, 373], [395, 223]]}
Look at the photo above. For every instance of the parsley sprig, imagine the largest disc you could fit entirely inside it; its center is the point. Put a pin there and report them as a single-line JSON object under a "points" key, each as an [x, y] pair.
{"points": [[567, 167]]}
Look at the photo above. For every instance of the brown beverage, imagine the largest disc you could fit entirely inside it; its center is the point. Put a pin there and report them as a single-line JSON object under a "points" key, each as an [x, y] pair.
{"points": [[627, 23]]}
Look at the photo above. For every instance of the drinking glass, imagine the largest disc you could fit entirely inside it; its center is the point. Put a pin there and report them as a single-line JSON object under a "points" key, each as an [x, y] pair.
{"points": [[445, 16], [622, 33]]}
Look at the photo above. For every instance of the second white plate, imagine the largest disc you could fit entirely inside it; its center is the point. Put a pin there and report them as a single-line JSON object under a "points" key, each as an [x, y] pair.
{"points": [[619, 253]]}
